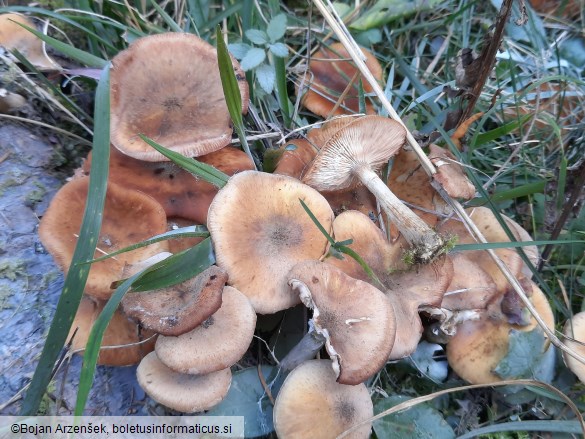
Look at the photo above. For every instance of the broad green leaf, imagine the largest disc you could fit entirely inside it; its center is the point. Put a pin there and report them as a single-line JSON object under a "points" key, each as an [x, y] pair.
{"points": [[266, 75], [188, 261], [525, 351], [257, 36], [276, 28], [385, 11], [86, 245], [253, 58], [203, 170], [247, 398], [418, 422], [279, 49], [239, 50]]}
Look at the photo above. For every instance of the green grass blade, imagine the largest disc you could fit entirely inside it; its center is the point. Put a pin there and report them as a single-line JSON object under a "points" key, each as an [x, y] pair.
{"points": [[317, 223], [348, 251], [281, 90], [561, 183], [166, 17], [177, 268], [568, 427], [507, 128], [231, 90], [86, 245], [203, 170], [70, 51], [194, 266], [183, 232], [511, 194]]}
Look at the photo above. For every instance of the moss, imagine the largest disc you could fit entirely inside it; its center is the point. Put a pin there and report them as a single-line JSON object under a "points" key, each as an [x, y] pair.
{"points": [[12, 269]]}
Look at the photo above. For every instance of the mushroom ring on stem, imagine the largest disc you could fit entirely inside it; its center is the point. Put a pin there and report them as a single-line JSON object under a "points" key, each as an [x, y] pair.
{"points": [[352, 156]]}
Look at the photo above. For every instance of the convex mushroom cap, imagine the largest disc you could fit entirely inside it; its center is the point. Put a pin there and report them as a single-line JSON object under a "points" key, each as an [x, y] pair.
{"points": [[311, 404], [129, 217], [157, 89], [219, 342], [260, 231], [575, 329], [179, 391], [331, 71], [356, 319], [180, 308]]}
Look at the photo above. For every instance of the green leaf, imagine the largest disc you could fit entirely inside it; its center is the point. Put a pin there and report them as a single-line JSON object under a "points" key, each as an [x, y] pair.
{"points": [[239, 50], [86, 245], [70, 51], [276, 28], [257, 36], [176, 268], [203, 170], [279, 49], [418, 422], [247, 398], [502, 130], [150, 276], [525, 351], [253, 58], [231, 90], [266, 75]]}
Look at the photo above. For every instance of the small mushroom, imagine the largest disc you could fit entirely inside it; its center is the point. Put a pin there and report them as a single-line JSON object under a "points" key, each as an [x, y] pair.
{"points": [[178, 309], [260, 231], [450, 173], [575, 330], [218, 342], [352, 156], [356, 319], [175, 101], [179, 391], [129, 217], [311, 404], [332, 78], [124, 343], [16, 37]]}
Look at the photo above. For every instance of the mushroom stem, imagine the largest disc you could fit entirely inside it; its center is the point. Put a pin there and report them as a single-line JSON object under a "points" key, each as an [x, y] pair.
{"points": [[427, 244]]}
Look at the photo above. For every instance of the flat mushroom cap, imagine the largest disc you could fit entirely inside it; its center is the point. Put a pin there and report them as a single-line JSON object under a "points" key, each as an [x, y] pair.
{"points": [[120, 332], [179, 391], [368, 141], [129, 217], [178, 309], [356, 318], [219, 342], [450, 173], [331, 70], [158, 90], [311, 404], [271, 233], [575, 328], [13, 36]]}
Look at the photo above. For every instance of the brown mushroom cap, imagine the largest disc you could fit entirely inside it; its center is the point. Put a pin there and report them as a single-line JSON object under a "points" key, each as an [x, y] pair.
{"points": [[575, 328], [157, 90], [297, 154], [450, 173], [331, 70], [356, 319], [179, 391], [311, 404], [271, 233], [132, 341], [13, 36], [179, 192], [178, 309], [219, 342], [129, 217]]}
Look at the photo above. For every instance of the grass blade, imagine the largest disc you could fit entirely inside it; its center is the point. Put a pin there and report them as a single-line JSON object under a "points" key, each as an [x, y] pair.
{"points": [[86, 245], [203, 170], [195, 266]]}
